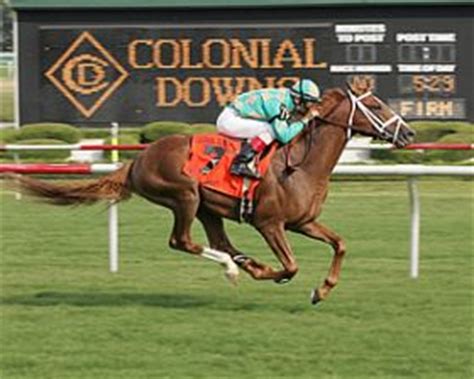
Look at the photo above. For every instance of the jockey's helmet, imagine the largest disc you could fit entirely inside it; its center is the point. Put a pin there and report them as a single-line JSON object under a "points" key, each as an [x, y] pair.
{"points": [[307, 90]]}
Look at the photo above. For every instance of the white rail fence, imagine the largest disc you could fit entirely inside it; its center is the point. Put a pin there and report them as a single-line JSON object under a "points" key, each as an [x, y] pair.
{"points": [[411, 172]]}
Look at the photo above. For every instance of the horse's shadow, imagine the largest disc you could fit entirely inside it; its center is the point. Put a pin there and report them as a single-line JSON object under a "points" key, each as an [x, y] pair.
{"points": [[158, 300], [45, 299]]}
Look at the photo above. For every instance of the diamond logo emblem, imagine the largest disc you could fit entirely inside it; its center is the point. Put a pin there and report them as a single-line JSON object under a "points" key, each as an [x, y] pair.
{"points": [[86, 74]]}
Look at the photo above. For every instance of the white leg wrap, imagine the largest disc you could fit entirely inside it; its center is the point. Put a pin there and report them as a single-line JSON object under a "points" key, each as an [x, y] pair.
{"points": [[221, 258]]}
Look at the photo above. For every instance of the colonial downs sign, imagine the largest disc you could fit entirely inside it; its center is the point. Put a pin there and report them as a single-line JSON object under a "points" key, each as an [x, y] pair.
{"points": [[185, 73]]}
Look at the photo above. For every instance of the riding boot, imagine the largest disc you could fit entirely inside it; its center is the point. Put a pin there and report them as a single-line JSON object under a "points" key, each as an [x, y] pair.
{"points": [[240, 165]]}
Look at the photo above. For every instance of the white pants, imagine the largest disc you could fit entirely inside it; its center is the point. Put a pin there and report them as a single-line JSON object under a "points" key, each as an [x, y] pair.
{"points": [[231, 124]]}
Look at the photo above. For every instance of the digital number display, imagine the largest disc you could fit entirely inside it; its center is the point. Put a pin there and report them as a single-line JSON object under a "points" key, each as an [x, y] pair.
{"points": [[427, 84], [434, 84]]}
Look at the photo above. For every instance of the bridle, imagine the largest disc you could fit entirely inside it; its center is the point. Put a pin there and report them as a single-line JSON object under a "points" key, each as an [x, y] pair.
{"points": [[378, 124], [356, 104]]}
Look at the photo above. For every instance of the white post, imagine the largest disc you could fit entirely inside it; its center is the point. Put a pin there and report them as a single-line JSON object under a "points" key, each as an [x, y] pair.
{"points": [[16, 86], [113, 212], [414, 227], [113, 238], [16, 71]]}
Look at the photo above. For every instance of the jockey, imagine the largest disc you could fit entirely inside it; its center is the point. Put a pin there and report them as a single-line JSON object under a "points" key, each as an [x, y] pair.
{"points": [[261, 116]]}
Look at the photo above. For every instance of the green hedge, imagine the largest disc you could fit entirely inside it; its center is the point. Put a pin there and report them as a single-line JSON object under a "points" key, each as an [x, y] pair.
{"points": [[156, 130], [458, 138], [203, 128], [102, 133], [398, 156], [453, 155], [60, 132], [432, 131]]}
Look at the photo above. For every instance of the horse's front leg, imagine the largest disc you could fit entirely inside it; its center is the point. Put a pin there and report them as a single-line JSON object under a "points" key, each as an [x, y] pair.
{"points": [[318, 231]]}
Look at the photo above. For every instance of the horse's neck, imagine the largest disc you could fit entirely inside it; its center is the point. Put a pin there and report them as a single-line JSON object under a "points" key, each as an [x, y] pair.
{"points": [[326, 148]]}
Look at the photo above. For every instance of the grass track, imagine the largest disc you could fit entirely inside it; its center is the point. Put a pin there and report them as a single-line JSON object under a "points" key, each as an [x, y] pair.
{"points": [[169, 315]]}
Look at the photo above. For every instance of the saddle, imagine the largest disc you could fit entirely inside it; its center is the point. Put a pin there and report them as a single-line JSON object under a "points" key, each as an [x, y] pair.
{"points": [[209, 162]]}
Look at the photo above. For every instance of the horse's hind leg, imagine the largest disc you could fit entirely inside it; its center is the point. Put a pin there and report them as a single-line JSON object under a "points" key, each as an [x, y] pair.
{"points": [[218, 239], [320, 232], [275, 236], [184, 210]]}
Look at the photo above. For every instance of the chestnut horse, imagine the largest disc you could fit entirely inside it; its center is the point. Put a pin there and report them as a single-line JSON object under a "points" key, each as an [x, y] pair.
{"points": [[289, 197]]}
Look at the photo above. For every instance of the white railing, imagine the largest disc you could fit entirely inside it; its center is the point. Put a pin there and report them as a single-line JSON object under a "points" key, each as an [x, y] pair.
{"points": [[412, 172]]}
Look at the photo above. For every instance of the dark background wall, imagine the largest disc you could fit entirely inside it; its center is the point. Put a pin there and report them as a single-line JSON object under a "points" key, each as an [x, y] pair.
{"points": [[93, 67]]}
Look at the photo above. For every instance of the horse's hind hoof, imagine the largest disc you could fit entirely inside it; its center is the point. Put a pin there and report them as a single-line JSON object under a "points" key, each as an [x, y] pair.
{"points": [[282, 281], [315, 298]]}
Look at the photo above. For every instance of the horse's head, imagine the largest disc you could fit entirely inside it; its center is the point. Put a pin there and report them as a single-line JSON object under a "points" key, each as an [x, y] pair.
{"points": [[366, 114]]}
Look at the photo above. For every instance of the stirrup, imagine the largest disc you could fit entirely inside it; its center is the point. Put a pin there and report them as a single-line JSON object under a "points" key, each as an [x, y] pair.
{"points": [[241, 169]]}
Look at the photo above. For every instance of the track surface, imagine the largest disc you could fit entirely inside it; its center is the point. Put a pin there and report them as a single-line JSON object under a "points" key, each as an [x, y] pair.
{"points": [[169, 315]]}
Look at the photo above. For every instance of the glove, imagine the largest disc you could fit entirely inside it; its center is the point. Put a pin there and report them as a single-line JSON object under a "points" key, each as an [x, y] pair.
{"points": [[284, 113], [312, 113]]}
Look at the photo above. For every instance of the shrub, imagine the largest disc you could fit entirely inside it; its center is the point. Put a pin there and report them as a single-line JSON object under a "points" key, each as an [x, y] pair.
{"points": [[203, 128], [95, 133], [431, 131], [398, 156], [453, 155], [59, 132], [458, 138], [43, 155], [132, 132], [104, 133], [156, 130]]}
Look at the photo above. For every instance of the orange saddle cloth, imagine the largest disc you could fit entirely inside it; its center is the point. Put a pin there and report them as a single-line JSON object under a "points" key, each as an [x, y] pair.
{"points": [[209, 162]]}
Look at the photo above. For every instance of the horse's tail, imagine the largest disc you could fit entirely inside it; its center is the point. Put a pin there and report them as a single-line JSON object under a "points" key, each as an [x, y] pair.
{"points": [[113, 187]]}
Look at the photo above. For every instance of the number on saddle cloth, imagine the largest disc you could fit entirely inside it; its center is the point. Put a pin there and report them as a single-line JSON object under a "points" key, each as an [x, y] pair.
{"points": [[216, 153]]}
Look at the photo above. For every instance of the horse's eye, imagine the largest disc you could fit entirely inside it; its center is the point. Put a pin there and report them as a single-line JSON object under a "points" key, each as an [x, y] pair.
{"points": [[376, 107]]}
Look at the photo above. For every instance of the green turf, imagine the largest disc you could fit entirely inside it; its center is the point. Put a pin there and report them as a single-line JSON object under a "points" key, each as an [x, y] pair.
{"points": [[169, 315]]}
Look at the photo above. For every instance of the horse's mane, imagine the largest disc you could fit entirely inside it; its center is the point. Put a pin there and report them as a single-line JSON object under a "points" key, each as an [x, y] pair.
{"points": [[331, 99]]}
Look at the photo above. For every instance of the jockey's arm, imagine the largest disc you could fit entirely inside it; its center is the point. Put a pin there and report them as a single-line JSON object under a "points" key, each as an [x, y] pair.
{"points": [[285, 131]]}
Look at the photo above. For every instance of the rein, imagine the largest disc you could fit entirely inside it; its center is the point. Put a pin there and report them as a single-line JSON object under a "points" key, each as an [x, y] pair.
{"points": [[289, 168], [340, 125]]}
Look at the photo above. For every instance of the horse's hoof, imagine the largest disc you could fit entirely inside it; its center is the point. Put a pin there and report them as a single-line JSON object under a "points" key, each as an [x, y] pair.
{"points": [[315, 298], [232, 277], [282, 281], [240, 259]]}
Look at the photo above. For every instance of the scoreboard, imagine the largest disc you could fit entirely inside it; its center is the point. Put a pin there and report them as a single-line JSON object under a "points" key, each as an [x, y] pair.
{"points": [[93, 67]]}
